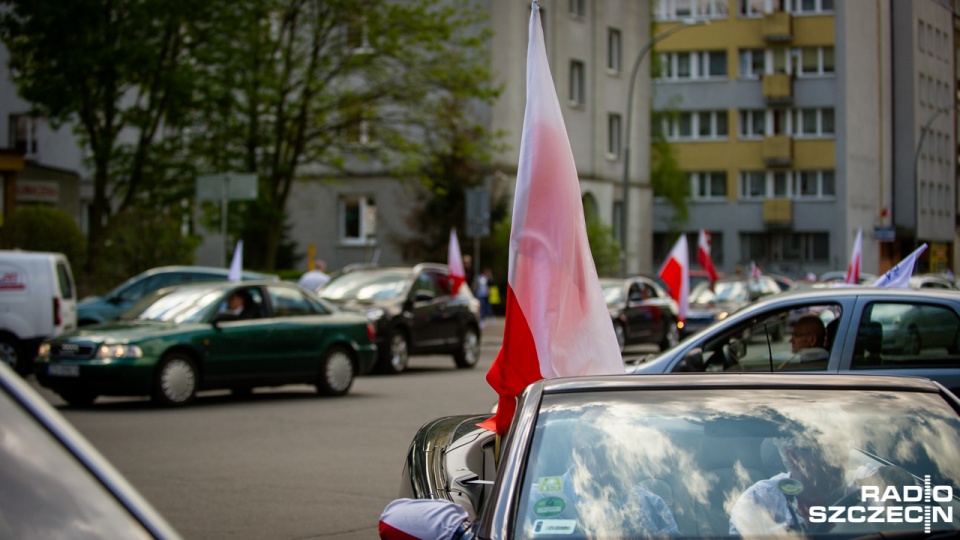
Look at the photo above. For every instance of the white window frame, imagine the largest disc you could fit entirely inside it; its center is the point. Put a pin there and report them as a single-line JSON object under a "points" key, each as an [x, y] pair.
{"points": [[674, 10], [822, 69], [789, 184], [578, 82], [28, 126], [746, 68], [702, 184], [746, 118], [366, 220], [614, 50], [697, 62], [578, 8], [614, 135], [819, 181], [820, 131], [818, 7], [694, 119]]}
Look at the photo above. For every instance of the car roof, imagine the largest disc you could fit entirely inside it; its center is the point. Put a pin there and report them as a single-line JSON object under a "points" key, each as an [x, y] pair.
{"points": [[668, 381], [204, 269]]}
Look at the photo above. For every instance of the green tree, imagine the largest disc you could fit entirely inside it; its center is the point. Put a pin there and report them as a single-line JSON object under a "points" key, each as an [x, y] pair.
{"points": [[311, 90], [39, 228], [668, 180], [119, 70], [142, 239]]}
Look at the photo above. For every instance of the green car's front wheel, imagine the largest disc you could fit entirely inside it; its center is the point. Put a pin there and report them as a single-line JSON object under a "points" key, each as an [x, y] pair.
{"points": [[336, 372], [176, 382]]}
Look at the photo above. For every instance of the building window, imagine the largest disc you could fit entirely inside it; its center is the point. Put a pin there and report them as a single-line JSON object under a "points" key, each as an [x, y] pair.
{"points": [[787, 184], [358, 220], [815, 61], [578, 8], [785, 248], [708, 186], [614, 50], [577, 82], [813, 122], [613, 135], [752, 62], [808, 7], [671, 10], [702, 125], [23, 134], [752, 124], [693, 65], [751, 8], [358, 34]]}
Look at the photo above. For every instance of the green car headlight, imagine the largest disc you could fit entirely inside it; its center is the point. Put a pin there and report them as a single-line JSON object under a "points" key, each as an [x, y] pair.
{"points": [[44, 349], [116, 350]]}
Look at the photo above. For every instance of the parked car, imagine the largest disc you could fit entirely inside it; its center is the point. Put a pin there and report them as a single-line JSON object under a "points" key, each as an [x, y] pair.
{"points": [[837, 276], [713, 303], [642, 312], [868, 330], [179, 340], [414, 311], [698, 275], [99, 309], [651, 457], [932, 281], [38, 300], [55, 484]]}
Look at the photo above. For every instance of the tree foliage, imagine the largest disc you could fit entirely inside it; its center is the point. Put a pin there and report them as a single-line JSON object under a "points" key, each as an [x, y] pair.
{"points": [[39, 228], [122, 71], [668, 180]]}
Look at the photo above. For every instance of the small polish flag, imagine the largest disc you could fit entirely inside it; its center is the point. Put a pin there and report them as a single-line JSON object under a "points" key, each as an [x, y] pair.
{"points": [[455, 263], [675, 273]]}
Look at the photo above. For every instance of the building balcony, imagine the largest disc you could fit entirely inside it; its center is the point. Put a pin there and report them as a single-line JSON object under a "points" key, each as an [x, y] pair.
{"points": [[777, 89], [778, 150], [778, 212], [777, 27]]}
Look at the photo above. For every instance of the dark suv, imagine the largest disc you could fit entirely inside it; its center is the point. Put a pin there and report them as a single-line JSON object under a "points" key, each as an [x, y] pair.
{"points": [[414, 312]]}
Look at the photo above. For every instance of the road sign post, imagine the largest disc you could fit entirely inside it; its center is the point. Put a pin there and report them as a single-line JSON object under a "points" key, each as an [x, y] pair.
{"points": [[225, 187]]}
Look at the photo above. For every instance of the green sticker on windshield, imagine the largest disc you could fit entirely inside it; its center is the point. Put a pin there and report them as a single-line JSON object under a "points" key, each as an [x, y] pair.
{"points": [[549, 507], [550, 484]]}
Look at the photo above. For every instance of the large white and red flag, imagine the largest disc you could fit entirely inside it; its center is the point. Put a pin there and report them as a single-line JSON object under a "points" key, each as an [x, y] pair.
{"points": [[703, 255], [455, 263], [675, 274], [853, 269], [898, 277], [557, 323]]}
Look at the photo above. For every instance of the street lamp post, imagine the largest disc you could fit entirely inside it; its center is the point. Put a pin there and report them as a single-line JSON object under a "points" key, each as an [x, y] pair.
{"points": [[626, 141]]}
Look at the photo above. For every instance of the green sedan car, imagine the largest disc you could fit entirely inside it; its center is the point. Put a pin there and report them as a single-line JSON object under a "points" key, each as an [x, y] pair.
{"points": [[233, 335]]}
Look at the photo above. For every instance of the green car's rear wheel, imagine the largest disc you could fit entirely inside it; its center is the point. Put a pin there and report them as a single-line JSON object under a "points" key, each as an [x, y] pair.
{"points": [[336, 372]]}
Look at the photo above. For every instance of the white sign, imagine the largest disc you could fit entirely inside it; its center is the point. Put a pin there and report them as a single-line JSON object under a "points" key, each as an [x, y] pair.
{"points": [[43, 191], [231, 186]]}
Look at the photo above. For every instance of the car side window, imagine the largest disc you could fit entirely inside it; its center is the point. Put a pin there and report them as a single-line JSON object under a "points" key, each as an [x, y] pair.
{"points": [[63, 278], [894, 335], [800, 339], [287, 302], [634, 294]]}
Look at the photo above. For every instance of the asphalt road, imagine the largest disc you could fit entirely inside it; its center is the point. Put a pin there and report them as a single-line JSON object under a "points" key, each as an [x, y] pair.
{"points": [[282, 464]]}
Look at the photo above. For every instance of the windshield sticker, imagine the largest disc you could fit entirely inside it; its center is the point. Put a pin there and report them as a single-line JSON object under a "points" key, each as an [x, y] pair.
{"points": [[554, 526], [549, 507], [551, 484]]}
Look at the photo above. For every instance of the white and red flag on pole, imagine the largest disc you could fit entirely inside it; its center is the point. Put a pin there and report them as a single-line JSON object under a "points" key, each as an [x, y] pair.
{"points": [[853, 269], [754, 271], [455, 263], [557, 323], [675, 274], [703, 255]]}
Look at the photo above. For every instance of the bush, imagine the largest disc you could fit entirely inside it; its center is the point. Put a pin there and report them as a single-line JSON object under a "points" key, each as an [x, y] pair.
{"points": [[40, 228]]}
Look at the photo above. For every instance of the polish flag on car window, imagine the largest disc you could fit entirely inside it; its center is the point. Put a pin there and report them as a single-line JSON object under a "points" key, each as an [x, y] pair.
{"points": [[675, 274], [455, 263], [557, 323], [703, 255], [853, 269]]}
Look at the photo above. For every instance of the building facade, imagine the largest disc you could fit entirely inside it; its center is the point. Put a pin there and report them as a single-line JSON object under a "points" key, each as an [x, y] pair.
{"points": [[796, 124]]}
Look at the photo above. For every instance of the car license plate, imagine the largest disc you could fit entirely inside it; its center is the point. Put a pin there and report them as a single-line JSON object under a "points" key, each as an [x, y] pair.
{"points": [[61, 370]]}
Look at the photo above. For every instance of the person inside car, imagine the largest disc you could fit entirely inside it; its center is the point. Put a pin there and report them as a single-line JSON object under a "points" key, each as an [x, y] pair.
{"points": [[808, 342], [241, 304]]}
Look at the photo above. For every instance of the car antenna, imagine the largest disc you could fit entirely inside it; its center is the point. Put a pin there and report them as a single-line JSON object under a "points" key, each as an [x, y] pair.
{"points": [[766, 332]]}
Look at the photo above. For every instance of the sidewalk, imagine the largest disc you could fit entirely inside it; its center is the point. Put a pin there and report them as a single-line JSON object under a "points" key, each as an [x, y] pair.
{"points": [[492, 333]]}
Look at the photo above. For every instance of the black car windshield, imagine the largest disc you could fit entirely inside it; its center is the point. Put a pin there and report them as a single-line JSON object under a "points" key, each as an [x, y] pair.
{"points": [[179, 305], [723, 462], [366, 285]]}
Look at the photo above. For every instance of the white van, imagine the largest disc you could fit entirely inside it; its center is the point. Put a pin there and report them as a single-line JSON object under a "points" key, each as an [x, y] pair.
{"points": [[38, 300]]}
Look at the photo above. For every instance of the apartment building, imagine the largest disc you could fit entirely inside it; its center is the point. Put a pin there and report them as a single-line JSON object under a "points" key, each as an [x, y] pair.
{"points": [[800, 122]]}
